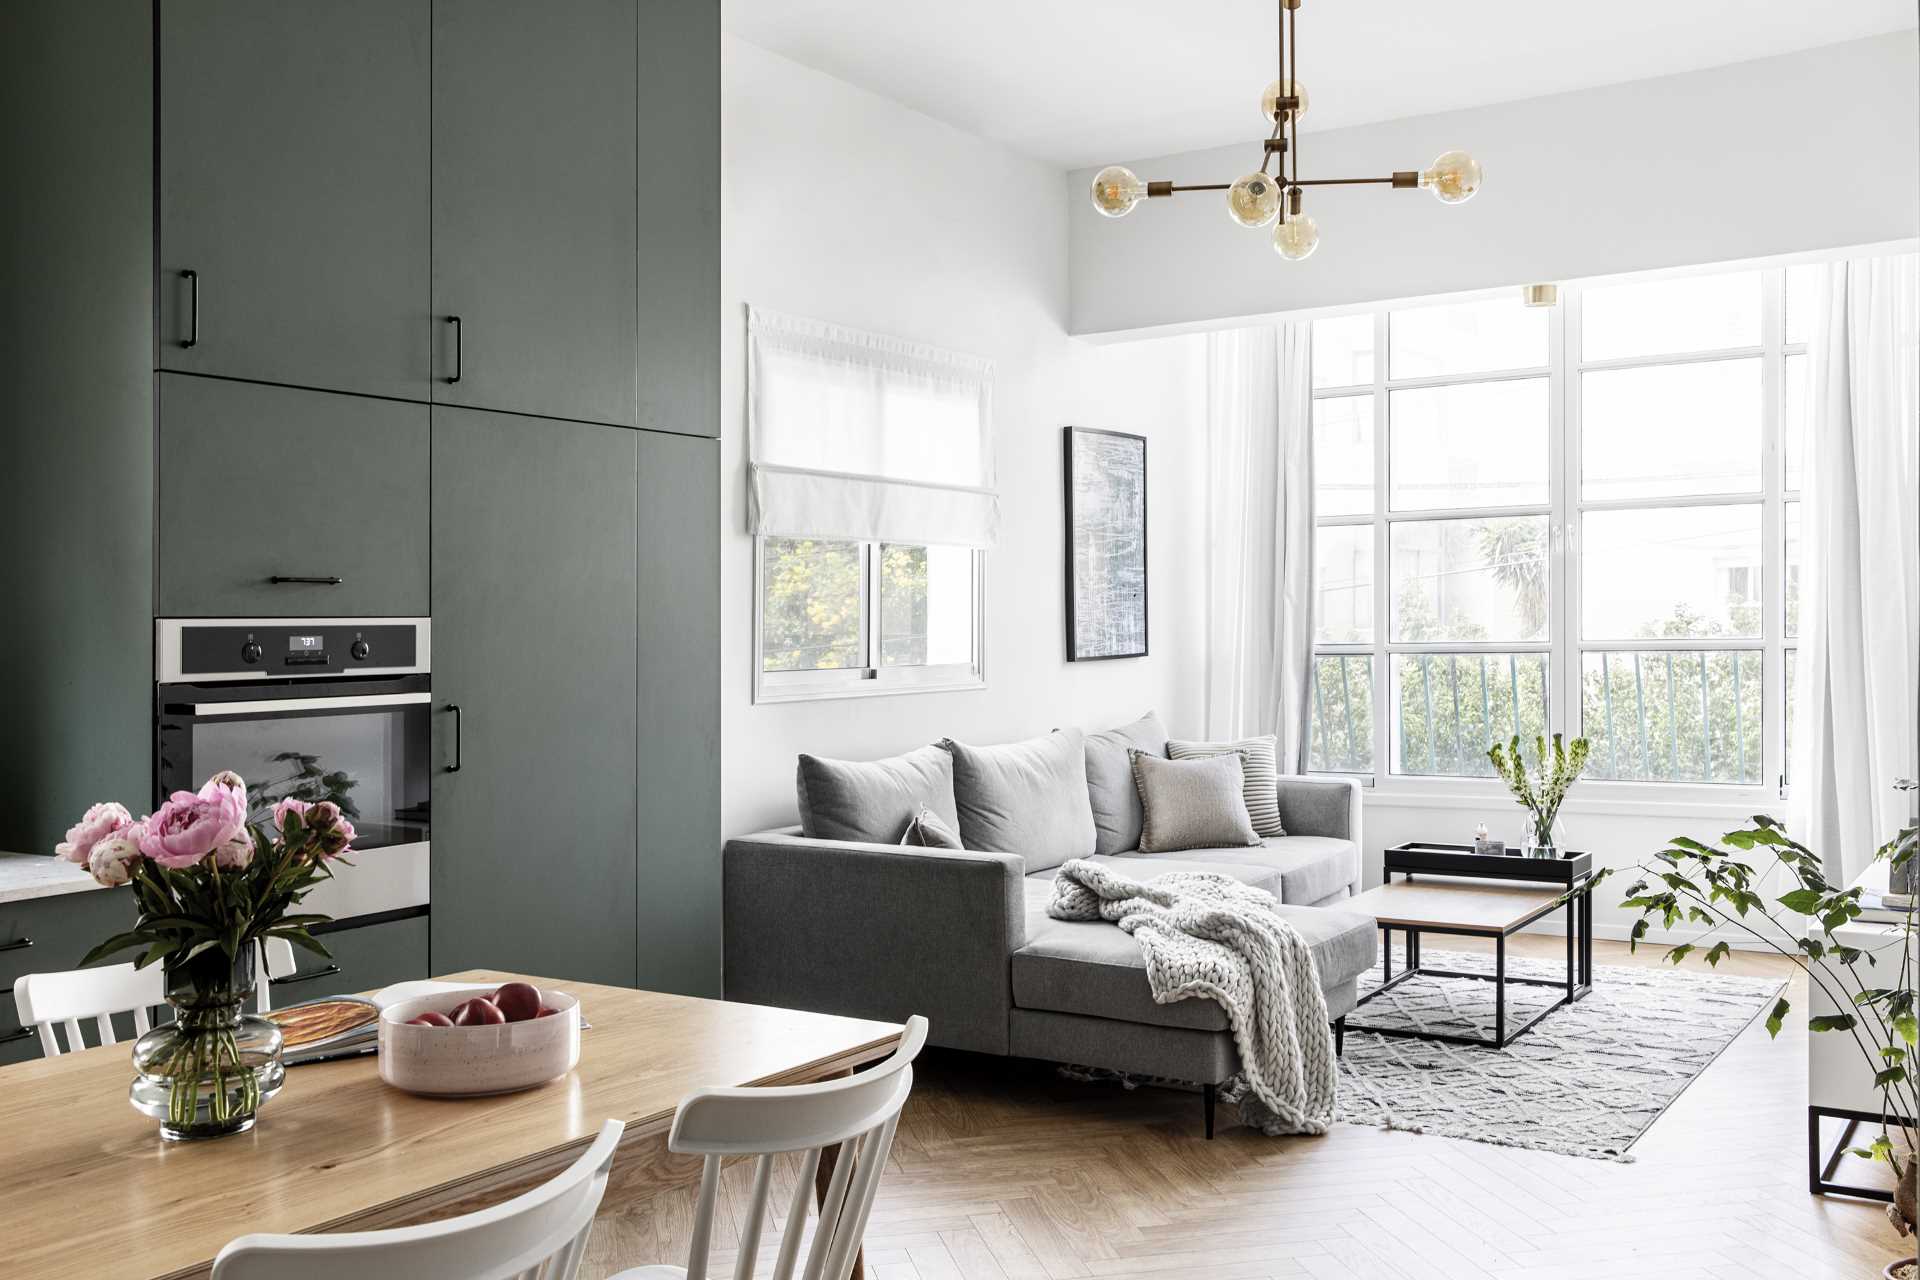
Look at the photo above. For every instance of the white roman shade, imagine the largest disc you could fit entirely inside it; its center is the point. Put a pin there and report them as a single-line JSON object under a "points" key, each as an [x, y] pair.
{"points": [[862, 437]]}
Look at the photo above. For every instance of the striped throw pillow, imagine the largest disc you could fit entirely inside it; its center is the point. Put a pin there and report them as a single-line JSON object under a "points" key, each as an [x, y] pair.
{"points": [[1262, 780]]}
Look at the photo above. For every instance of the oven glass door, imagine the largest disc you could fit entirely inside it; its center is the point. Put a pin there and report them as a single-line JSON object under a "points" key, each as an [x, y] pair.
{"points": [[361, 744]]}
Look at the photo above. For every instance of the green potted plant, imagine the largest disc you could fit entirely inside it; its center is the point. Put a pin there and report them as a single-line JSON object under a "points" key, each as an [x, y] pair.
{"points": [[1717, 887], [1542, 792]]}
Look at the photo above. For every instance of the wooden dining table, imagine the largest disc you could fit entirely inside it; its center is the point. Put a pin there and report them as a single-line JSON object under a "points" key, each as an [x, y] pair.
{"points": [[89, 1189]]}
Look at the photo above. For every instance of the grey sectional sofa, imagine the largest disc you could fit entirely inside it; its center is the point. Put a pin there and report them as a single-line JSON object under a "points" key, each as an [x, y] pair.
{"points": [[872, 928]]}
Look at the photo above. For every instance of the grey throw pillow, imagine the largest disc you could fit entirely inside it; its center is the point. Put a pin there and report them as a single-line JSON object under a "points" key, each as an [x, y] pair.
{"points": [[1028, 798], [1116, 801], [927, 831], [1263, 775], [1192, 804], [872, 800]]}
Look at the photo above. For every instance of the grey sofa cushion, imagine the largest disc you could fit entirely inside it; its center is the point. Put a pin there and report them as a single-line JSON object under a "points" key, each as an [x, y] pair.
{"points": [[1110, 788], [1192, 804], [1084, 967], [872, 801], [1311, 868], [1028, 798], [929, 831], [1262, 775]]}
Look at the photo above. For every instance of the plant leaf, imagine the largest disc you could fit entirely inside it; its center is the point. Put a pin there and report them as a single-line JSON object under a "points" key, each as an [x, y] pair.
{"points": [[1778, 1017], [1801, 901], [1832, 1022]]}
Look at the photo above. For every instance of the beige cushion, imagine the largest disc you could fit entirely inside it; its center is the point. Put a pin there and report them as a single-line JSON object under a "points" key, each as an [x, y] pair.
{"points": [[1192, 804], [1262, 778]]}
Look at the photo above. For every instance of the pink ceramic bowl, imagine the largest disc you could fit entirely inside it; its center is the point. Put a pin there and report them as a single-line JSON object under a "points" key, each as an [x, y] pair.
{"points": [[471, 1061]]}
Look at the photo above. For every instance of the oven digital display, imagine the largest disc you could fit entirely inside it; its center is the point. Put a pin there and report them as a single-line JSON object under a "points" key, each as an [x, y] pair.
{"points": [[306, 644]]}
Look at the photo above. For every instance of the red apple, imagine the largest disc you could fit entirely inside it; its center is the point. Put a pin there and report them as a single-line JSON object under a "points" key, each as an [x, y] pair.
{"points": [[546, 1012], [519, 1001], [478, 1012], [430, 1018]]}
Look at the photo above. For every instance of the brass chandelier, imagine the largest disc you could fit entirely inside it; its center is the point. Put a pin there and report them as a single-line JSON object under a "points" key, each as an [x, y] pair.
{"points": [[1260, 199]]}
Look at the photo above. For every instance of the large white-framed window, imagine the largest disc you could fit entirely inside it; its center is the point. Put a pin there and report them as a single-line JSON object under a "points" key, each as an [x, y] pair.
{"points": [[1580, 518], [872, 506]]}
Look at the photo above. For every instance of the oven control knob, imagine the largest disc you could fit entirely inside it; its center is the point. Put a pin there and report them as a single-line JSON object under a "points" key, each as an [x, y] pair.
{"points": [[251, 651], [361, 650]]}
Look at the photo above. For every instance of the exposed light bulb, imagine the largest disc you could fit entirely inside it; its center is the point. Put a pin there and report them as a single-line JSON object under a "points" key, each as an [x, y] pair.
{"points": [[1296, 238], [1116, 189], [1270, 100], [1254, 201], [1453, 177]]}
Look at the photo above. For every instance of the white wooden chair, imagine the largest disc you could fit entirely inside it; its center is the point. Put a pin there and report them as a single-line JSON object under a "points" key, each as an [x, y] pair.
{"points": [[540, 1235], [46, 1000], [859, 1113]]}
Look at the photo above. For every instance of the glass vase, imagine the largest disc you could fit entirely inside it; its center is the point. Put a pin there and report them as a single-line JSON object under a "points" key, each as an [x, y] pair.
{"points": [[206, 1073]]}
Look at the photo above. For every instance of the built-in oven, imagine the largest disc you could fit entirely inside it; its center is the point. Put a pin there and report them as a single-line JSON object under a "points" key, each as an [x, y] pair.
{"points": [[311, 709]]}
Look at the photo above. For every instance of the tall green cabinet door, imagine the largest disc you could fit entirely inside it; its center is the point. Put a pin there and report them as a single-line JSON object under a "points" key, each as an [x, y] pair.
{"points": [[535, 207], [294, 200], [534, 641]]}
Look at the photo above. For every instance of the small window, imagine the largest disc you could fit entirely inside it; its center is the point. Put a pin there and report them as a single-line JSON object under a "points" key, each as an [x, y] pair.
{"points": [[842, 619]]}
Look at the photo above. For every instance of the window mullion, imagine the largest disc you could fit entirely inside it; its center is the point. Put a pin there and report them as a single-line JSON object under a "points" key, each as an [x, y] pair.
{"points": [[1565, 663], [1386, 714]]}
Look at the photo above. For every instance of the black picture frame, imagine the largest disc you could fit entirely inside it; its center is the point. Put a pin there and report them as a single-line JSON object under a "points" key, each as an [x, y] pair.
{"points": [[1076, 608]]}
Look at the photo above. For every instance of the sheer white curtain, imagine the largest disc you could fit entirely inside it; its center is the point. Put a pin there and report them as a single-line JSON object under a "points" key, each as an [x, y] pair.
{"points": [[1260, 537], [1857, 684]]}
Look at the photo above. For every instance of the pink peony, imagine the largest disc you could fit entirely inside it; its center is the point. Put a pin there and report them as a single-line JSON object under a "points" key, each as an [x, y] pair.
{"points": [[101, 821], [112, 860], [285, 807], [188, 827], [336, 833], [236, 853]]}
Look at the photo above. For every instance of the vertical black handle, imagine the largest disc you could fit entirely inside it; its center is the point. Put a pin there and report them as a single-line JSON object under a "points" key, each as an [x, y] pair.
{"points": [[193, 307], [459, 350], [453, 709]]}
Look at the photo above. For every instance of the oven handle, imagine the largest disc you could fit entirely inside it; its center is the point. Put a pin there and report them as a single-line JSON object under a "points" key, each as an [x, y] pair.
{"points": [[267, 706]]}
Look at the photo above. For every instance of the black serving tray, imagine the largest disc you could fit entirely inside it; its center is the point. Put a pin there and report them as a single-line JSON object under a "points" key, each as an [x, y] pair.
{"points": [[1567, 870]]}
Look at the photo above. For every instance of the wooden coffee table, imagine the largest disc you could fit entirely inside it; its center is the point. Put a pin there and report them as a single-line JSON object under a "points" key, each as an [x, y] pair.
{"points": [[1453, 896]]}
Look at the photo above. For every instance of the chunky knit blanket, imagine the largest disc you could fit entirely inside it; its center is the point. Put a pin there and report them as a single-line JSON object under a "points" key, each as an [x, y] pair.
{"points": [[1207, 935]]}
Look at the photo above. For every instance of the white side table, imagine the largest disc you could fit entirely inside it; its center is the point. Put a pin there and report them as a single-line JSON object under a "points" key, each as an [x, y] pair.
{"points": [[1839, 1077]]}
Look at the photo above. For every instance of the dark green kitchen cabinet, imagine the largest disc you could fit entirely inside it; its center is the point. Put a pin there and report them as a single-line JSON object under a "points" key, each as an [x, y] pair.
{"points": [[536, 207], [535, 678], [293, 192], [259, 483], [366, 957]]}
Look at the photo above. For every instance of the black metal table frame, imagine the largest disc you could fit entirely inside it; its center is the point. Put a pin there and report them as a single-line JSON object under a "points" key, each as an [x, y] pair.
{"points": [[1573, 875], [1823, 1162]]}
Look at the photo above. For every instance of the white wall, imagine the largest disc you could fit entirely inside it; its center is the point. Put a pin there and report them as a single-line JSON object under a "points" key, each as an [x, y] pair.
{"points": [[1806, 151], [845, 206]]}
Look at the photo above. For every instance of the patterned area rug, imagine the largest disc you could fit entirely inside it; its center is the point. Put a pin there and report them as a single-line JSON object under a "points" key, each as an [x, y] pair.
{"points": [[1586, 1081]]}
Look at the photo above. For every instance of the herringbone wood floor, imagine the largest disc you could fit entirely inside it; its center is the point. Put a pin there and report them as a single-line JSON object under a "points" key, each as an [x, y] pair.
{"points": [[1002, 1171]]}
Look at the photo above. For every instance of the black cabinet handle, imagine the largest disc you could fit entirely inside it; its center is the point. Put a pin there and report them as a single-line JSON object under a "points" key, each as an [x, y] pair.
{"points": [[453, 708], [328, 580], [18, 944], [18, 1033], [193, 307], [293, 979], [459, 350]]}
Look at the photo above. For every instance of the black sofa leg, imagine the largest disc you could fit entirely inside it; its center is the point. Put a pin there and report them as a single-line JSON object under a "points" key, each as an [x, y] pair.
{"points": [[1210, 1094], [1340, 1036]]}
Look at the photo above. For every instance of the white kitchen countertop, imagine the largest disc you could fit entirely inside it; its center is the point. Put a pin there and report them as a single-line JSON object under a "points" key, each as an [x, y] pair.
{"points": [[24, 876]]}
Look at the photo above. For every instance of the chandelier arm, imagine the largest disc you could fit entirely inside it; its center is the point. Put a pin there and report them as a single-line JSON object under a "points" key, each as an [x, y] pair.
{"points": [[1293, 78]]}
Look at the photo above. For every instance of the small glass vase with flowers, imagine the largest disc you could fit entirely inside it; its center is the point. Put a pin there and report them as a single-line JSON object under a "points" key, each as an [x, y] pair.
{"points": [[210, 886]]}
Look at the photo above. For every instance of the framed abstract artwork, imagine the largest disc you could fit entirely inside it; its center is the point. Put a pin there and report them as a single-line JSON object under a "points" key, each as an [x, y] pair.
{"points": [[1106, 508]]}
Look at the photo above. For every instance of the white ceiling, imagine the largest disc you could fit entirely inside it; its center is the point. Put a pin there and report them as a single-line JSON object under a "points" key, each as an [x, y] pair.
{"points": [[1082, 82]]}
